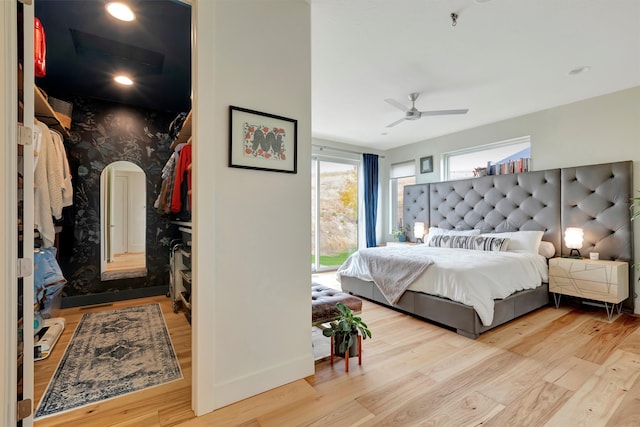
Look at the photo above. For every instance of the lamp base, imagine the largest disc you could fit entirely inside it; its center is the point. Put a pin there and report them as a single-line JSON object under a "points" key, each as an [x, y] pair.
{"points": [[574, 256]]}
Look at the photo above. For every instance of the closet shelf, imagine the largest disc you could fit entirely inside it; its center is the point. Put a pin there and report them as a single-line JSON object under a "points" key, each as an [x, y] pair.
{"points": [[46, 114], [185, 132], [42, 109]]}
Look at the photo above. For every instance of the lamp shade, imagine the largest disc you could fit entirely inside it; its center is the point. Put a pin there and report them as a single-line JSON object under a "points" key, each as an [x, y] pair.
{"points": [[573, 237], [418, 230]]}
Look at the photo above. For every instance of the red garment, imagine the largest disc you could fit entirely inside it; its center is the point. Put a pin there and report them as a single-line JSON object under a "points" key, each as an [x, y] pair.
{"points": [[184, 165], [39, 49]]}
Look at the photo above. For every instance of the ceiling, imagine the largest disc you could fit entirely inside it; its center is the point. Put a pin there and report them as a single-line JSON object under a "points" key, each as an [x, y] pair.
{"points": [[86, 46], [502, 59]]}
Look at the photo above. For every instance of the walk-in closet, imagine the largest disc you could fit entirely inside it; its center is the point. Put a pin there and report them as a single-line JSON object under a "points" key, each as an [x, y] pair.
{"points": [[110, 164]]}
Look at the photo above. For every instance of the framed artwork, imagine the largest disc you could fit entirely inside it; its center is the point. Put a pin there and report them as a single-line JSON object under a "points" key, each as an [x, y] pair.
{"points": [[262, 141], [426, 164]]}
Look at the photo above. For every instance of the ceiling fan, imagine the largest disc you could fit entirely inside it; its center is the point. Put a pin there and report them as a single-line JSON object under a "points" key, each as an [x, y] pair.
{"points": [[414, 114]]}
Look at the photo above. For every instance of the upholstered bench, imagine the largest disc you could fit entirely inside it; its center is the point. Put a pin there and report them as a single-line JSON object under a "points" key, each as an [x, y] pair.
{"points": [[324, 300]]}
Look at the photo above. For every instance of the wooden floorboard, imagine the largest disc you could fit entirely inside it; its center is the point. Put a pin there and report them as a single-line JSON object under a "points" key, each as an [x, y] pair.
{"points": [[554, 367]]}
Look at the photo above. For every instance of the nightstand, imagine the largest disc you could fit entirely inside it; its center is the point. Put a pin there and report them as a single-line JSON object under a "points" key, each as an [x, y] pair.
{"points": [[599, 280], [401, 243]]}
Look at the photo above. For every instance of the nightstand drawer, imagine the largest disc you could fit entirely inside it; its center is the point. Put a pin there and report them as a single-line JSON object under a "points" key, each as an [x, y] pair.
{"points": [[606, 281]]}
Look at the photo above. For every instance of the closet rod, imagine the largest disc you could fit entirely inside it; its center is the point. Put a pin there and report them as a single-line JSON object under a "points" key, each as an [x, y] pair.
{"points": [[322, 147]]}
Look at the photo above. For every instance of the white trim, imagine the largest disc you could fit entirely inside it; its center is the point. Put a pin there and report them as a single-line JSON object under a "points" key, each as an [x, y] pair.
{"points": [[204, 396], [8, 211], [28, 209]]}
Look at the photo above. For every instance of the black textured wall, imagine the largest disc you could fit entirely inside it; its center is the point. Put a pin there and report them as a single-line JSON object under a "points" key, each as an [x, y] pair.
{"points": [[102, 133]]}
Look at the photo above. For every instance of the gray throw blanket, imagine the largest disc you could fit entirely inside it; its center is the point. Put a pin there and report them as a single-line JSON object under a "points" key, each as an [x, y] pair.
{"points": [[393, 269]]}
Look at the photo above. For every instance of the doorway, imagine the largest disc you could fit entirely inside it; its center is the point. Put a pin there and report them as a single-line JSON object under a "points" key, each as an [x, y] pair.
{"points": [[128, 242], [334, 212]]}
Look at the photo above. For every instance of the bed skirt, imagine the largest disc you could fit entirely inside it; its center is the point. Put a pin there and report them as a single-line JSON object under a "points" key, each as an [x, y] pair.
{"points": [[462, 318]]}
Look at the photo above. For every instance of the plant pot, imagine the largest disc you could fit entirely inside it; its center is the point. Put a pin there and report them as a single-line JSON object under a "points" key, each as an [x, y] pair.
{"points": [[337, 340], [402, 238]]}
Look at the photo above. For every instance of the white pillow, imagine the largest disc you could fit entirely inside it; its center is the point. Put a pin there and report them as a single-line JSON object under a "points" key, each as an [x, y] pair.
{"points": [[521, 240], [547, 249], [435, 231], [478, 243]]}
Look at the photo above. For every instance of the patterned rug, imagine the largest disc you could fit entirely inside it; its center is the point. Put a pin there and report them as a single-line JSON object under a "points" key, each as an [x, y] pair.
{"points": [[112, 353]]}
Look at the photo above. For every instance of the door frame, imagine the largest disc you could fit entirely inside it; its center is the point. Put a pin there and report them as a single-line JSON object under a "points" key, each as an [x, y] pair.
{"points": [[203, 398], [8, 250]]}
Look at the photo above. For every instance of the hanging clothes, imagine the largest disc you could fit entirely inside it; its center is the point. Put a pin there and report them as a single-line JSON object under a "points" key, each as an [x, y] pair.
{"points": [[181, 198], [66, 187], [47, 201], [37, 142]]}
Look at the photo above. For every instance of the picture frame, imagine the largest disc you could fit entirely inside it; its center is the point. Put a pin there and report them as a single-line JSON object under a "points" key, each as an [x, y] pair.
{"points": [[426, 164], [262, 141]]}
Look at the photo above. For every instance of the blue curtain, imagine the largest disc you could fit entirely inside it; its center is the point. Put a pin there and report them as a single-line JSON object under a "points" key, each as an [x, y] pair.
{"points": [[370, 197]]}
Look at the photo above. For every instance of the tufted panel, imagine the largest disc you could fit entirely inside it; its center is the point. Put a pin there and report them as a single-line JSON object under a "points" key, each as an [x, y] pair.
{"points": [[529, 201], [324, 300], [416, 206], [597, 199]]}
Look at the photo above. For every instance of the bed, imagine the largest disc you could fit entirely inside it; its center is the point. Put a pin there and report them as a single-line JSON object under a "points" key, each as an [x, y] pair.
{"points": [[595, 198]]}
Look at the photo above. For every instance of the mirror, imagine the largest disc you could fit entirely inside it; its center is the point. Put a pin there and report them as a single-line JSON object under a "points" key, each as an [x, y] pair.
{"points": [[123, 211]]}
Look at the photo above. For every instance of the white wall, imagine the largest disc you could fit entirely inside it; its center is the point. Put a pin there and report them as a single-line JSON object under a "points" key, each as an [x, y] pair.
{"points": [[598, 130], [251, 251]]}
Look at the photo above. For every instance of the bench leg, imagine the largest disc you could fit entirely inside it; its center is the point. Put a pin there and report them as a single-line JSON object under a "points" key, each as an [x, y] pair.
{"points": [[359, 349]]}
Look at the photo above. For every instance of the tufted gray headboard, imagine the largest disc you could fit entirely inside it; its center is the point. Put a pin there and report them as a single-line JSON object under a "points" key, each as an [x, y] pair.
{"points": [[596, 198]]}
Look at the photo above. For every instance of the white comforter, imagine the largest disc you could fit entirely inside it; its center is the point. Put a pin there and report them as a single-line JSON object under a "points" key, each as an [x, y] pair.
{"points": [[471, 277]]}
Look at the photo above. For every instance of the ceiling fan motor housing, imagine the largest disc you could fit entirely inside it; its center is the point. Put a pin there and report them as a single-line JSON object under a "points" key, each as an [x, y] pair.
{"points": [[413, 114]]}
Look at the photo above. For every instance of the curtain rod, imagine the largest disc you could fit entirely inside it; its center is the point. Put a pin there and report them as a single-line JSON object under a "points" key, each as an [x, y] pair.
{"points": [[322, 147]]}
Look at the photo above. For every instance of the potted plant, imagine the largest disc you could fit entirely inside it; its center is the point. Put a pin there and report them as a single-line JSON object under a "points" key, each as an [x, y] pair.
{"points": [[345, 331], [401, 233]]}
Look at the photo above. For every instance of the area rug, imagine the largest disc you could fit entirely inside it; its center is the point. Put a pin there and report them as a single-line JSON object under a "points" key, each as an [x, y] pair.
{"points": [[111, 353], [321, 344]]}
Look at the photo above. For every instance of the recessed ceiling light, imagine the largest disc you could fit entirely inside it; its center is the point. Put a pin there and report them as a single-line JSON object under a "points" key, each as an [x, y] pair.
{"points": [[123, 80], [120, 11], [579, 70]]}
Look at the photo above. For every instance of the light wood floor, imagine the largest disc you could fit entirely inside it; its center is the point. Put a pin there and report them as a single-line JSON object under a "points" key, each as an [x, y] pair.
{"points": [[554, 367], [127, 261]]}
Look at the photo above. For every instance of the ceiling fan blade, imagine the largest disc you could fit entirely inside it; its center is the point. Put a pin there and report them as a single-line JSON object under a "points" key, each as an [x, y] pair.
{"points": [[397, 122], [442, 112], [396, 104]]}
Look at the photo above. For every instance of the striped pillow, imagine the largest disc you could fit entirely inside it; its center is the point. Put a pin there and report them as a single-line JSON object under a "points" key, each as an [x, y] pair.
{"points": [[477, 243]]}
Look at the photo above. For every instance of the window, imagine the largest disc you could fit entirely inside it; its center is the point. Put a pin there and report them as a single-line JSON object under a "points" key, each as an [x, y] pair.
{"points": [[334, 212], [461, 164], [401, 174]]}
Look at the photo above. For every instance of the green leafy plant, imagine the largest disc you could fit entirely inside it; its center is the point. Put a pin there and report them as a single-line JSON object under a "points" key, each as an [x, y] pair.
{"points": [[400, 231], [346, 328]]}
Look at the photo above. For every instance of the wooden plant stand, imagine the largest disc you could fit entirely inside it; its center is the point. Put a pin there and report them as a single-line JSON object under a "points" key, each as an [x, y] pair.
{"points": [[346, 353]]}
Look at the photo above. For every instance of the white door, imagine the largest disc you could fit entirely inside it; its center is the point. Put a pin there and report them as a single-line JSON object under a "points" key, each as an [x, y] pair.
{"points": [[120, 209], [137, 211]]}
